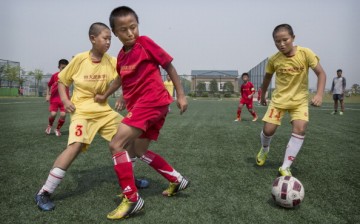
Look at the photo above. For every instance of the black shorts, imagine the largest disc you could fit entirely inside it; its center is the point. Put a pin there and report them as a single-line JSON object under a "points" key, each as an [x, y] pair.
{"points": [[338, 96]]}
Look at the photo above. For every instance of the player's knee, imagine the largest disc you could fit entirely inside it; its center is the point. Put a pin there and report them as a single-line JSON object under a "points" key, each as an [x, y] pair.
{"points": [[299, 130]]}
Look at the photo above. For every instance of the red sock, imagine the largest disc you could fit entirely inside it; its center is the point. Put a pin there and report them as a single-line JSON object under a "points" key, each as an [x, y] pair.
{"points": [[124, 171], [161, 166], [51, 120], [60, 123], [238, 113], [253, 114]]}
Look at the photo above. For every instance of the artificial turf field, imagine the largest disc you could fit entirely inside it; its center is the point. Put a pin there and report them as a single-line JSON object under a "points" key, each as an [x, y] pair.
{"points": [[215, 153]]}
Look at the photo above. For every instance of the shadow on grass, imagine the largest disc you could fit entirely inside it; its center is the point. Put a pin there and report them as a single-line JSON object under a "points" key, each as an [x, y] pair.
{"points": [[89, 179], [275, 206]]}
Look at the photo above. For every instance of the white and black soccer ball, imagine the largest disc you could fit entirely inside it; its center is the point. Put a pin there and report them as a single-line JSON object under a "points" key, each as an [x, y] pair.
{"points": [[287, 191]]}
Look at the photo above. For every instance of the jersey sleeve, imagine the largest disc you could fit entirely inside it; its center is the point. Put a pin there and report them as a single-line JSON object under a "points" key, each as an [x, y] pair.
{"points": [[155, 51], [65, 76], [51, 81], [270, 66], [312, 58], [114, 64]]}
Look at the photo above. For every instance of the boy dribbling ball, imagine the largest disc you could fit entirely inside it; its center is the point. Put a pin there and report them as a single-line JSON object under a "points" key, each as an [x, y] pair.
{"points": [[291, 65]]}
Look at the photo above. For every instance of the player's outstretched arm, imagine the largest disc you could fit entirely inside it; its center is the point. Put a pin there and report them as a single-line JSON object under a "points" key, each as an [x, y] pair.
{"points": [[115, 85], [69, 106], [181, 98], [264, 87], [320, 73]]}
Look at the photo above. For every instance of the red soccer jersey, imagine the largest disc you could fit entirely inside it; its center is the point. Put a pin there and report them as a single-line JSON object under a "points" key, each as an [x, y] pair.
{"points": [[140, 74], [53, 86], [246, 90]]}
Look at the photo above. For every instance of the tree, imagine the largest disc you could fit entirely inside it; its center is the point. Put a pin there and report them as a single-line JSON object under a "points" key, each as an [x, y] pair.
{"points": [[213, 86], [355, 89], [228, 87], [11, 74], [2, 68], [201, 87], [38, 75]]}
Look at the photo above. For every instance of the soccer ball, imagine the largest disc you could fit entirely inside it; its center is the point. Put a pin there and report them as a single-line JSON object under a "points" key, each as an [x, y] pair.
{"points": [[287, 191]]}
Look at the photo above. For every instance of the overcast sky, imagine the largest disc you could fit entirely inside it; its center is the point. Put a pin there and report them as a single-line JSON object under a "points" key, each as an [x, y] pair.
{"points": [[199, 34]]}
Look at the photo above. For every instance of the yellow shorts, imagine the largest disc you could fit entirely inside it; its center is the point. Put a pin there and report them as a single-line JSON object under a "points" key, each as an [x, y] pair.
{"points": [[84, 130], [274, 115]]}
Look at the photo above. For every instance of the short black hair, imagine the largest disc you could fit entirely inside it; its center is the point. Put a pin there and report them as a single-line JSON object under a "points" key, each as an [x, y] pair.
{"points": [[96, 28], [339, 70], [285, 27], [245, 74], [121, 11], [63, 62]]}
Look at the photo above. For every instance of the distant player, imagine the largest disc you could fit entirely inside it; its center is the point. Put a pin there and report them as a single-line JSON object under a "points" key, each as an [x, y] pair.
{"points": [[52, 96], [169, 86], [147, 103], [291, 65], [247, 92], [338, 89]]}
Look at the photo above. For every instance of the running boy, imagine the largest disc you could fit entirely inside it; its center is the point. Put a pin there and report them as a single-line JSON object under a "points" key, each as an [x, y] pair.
{"points": [[247, 92], [291, 65], [53, 97], [147, 103], [90, 73]]}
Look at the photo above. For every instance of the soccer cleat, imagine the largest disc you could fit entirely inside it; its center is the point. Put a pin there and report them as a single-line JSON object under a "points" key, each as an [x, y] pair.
{"points": [[341, 113], [57, 132], [285, 172], [261, 157], [255, 118], [237, 119], [333, 113], [174, 188], [141, 183], [126, 208], [44, 202], [48, 130]]}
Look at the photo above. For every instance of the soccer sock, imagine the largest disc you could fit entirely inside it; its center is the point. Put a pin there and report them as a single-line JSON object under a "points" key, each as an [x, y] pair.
{"points": [[124, 171], [253, 114], [292, 149], [51, 120], [53, 180], [161, 166], [60, 123], [238, 113], [265, 141]]}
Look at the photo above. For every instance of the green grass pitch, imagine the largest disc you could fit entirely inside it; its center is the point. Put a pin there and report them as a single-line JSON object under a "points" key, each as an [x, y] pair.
{"points": [[215, 153]]}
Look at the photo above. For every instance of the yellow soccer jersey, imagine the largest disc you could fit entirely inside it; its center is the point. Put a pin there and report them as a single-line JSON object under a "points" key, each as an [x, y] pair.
{"points": [[89, 79], [291, 82], [169, 87]]}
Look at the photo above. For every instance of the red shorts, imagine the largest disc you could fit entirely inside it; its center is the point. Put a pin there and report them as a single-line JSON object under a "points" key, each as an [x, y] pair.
{"points": [[148, 119], [54, 106], [247, 102]]}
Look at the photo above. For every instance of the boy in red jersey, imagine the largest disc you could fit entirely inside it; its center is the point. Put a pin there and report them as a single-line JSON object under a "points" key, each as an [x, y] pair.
{"points": [[52, 96], [147, 103], [247, 93]]}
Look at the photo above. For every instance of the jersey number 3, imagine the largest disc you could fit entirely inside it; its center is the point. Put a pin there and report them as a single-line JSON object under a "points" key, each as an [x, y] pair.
{"points": [[78, 131]]}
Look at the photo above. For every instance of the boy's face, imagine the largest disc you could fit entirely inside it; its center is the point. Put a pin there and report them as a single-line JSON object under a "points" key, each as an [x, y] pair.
{"points": [[245, 78], [284, 41], [126, 29], [102, 41], [62, 66]]}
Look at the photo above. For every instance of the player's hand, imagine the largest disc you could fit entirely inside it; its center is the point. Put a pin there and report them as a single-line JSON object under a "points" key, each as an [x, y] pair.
{"points": [[69, 106], [263, 102], [316, 101], [182, 103], [47, 98], [120, 103], [99, 98], [249, 97]]}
